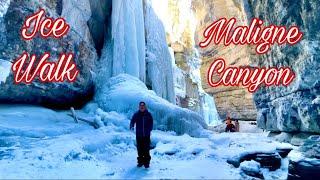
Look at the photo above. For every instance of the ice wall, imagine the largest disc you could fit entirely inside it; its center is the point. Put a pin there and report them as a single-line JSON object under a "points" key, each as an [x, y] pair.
{"points": [[180, 24], [125, 51], [137, 46], [158, 57]]}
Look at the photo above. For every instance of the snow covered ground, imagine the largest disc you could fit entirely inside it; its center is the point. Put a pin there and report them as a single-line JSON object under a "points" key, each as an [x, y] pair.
{"points": [[36, 142]]}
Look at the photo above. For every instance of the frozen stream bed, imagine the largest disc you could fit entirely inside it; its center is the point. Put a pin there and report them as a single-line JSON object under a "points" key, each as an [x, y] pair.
{"points": [[36, 142]]}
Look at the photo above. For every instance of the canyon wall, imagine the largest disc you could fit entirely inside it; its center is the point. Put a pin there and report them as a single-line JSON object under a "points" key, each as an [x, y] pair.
{"points": [[279, 109], [77, 41], [235, 101], [295, 108], [290, 109], [179, 23]]}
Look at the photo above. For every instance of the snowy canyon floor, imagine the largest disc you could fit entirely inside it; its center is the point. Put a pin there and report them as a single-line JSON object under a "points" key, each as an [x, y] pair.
{"points": [[36, 142]]}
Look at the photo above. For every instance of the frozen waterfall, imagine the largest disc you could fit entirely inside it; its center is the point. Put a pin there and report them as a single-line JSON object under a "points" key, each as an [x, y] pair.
{"points": [[135, 44], [209, 110], [159, 61], [128, 39], [127, 50]]}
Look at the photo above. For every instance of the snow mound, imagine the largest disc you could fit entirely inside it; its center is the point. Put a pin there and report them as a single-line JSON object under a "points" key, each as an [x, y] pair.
{"points": [[251, 166], [123, 93], [35, 122]]}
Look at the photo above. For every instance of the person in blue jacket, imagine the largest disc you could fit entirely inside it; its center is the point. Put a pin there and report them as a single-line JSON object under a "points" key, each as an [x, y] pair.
{"points": [[144, 124]]}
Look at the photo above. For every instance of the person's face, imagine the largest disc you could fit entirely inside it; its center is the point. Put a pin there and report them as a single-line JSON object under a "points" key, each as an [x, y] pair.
{"points": [[142, 107]]}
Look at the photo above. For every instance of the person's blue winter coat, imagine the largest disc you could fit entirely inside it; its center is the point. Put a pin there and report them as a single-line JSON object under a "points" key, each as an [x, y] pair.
{"points": [[144, 123]]}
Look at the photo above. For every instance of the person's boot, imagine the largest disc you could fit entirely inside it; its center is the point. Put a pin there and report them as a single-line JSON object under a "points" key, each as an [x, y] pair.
{"points": [[147, 161], [140, 161], [146, 166]]}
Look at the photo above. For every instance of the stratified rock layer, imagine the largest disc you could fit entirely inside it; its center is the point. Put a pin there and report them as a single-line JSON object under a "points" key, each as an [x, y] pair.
{"points": [[235, 101]]}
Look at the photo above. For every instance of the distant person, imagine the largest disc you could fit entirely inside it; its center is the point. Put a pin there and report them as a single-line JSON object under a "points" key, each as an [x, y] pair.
{"points": [[237, 125], [144, 123], [229, 126]]}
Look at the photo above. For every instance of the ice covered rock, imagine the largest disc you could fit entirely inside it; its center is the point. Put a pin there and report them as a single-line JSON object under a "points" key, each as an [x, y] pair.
{"points": [[64, 94], [299, 138], [293, 108], [98, 122], [123, 93], [99, 22], [77, 14], [311, 147], [251, 168], [281, 137], [4, 7], [305, 162], [270, 160]]}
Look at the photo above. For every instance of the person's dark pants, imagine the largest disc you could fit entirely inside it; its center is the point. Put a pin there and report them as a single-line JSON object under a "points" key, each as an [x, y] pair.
{"points": [[230, 129], [143, 147]]}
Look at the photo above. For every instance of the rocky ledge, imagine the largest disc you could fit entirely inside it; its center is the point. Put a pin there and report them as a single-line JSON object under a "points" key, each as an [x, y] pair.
{"points": [[305, 162]]}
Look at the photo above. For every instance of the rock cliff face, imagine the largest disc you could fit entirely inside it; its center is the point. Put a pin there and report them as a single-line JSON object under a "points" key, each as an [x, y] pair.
{"points": [[78, 41], [295, 108], [235, 101]]}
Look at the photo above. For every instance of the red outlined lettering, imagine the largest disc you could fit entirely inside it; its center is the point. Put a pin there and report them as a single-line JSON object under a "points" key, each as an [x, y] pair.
{"points": [[45, 26], [26, 71], [255, 33], [249, 77], [26, 67]]}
